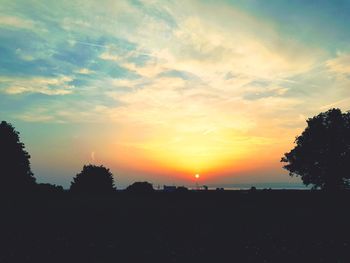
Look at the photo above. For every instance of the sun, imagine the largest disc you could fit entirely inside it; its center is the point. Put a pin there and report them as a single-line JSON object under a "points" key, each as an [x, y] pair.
{"points": [[196, 176]]}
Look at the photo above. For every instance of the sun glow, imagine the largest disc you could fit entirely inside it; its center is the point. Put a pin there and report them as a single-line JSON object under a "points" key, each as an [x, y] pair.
{"points": [[184, 154]]}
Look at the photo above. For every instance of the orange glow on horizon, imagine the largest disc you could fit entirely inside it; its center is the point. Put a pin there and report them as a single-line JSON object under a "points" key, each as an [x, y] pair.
{"points": [[182, 164], [177, 156]]}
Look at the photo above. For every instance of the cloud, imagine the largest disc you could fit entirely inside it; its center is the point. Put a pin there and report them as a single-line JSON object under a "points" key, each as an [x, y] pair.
{"points": [[48, 86], [17, 22], [204, 45], [85, 71], [92, 155], [343, 103], [109, 56], [176, 58], [340, 64], [30, 117]]}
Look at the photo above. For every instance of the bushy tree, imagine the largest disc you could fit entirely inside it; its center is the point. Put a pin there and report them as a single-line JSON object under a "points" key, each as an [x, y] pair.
{"points": [[15, 172], [321, 156], [93, 180], [140, 187]]}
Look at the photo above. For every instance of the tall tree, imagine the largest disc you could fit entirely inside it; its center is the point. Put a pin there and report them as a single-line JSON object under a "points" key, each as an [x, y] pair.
{"points": [[321, 156], [15, 172], [93, 180]]}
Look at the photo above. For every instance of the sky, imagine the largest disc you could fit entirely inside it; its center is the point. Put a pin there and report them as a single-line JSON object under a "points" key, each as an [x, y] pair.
{"points": [[160, 91]]}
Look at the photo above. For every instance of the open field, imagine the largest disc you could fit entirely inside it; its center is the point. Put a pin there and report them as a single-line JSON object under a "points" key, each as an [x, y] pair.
{"points": [[229, 226]]}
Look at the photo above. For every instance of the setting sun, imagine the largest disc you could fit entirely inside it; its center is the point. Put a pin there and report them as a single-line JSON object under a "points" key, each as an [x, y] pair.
{"points": [[196, 176]]}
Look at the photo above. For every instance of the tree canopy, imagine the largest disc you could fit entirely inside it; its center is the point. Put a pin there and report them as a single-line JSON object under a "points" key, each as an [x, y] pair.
{"points": [[15, 171], [93, 180], [321, 156]]}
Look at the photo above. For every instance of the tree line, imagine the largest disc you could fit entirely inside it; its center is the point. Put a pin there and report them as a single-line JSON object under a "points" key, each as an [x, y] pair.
{"points": [[321, 158], [16, 175]]}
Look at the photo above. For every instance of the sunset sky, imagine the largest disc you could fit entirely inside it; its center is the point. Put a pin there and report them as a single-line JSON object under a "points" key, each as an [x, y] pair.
{"points": [[163, 90]]}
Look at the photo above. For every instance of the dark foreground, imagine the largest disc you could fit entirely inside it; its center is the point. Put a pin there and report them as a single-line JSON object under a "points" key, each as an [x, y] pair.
{"points": [[275, 226]]}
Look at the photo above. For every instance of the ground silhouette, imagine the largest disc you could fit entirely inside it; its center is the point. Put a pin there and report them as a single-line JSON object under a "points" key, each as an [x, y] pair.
{"points": [[15, 172], [93, 180], [197, 226], [321, 156]]}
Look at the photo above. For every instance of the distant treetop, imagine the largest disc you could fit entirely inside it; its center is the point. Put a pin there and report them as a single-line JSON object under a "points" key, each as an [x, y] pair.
{"points": [[140, 187], [93, 180]]}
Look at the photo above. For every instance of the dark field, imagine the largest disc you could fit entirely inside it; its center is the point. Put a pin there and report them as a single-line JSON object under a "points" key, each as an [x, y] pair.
{"points": [[230, 226]]}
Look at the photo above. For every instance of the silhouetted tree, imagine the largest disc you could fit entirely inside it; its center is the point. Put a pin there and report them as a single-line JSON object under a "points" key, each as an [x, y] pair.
{"points": [[15, 172], [321, 156], [140, 187], [93, 180]]}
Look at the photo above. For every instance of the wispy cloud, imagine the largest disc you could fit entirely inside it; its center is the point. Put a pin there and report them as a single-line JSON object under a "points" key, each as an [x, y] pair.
{"points": [[47, 86], [16, 22], [84, 71], [339, 65]]}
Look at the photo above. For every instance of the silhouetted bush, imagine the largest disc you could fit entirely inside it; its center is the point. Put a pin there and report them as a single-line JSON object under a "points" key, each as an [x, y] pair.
{"points": [[49, 188], [93, 180], [181, 189], [321, 156], [253, 189], [140, 187], [15, 173]]}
